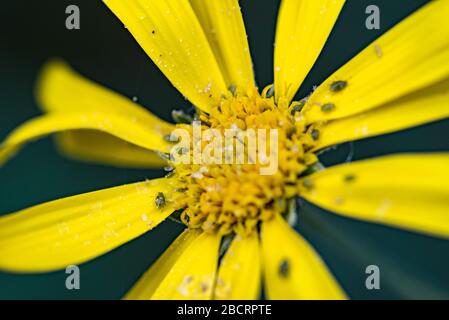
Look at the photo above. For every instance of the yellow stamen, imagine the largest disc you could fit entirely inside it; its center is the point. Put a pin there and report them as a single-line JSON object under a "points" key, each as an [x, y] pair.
{"points": [[227, 198]]}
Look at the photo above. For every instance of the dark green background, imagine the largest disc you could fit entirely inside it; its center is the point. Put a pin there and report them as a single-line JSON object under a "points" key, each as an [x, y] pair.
{"points": [[412, 266]]}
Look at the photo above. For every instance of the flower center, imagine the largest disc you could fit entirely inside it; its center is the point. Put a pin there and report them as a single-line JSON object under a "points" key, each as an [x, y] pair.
{"points": [[234, 192]]}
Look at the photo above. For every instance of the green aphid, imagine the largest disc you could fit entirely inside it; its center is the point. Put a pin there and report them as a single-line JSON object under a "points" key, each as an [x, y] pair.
{"points": [[308, 184], [160, 200], [284, 268], [350, 177], [338, 86], [298, 107], [328, 107], [179, 116], [315, 133]]}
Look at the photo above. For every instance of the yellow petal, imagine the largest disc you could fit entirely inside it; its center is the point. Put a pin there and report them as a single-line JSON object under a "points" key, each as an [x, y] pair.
{"points": [[74, 230], [302, 30], [101, 148], [170, 34], [223, 25], [409, 57], [293, 270], [185, 271], [239, 275], [405, 191], [60, 89], [151, 279], [427, 105], [124, 127]]}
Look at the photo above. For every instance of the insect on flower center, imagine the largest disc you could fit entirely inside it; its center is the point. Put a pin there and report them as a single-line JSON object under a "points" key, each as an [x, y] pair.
{"points": [[242, 165]]}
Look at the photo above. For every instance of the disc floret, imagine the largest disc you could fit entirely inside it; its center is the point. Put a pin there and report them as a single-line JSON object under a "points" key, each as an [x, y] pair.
{"points": [[235, 197]]}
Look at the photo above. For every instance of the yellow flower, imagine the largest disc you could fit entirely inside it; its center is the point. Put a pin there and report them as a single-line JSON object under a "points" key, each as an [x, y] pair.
{"points": [[399, 81]]}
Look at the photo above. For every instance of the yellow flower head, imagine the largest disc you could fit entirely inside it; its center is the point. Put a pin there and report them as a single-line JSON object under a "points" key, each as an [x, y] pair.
{"points": [[399, 81]]}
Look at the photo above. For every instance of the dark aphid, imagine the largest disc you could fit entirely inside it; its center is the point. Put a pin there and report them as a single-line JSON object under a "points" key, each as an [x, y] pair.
{"points": [[233, 89], [315, 133], [180, 116], [338, 86], [308, 184], [298, 107], [182, 150], [182, 190], [328, 107], [160, 200], [349, 177], [171, 138], [270, 92], [284, 268], [153, 31]]}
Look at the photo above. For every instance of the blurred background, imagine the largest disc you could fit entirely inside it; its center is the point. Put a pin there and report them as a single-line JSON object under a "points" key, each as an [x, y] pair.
{"points": [[411, 265]]}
